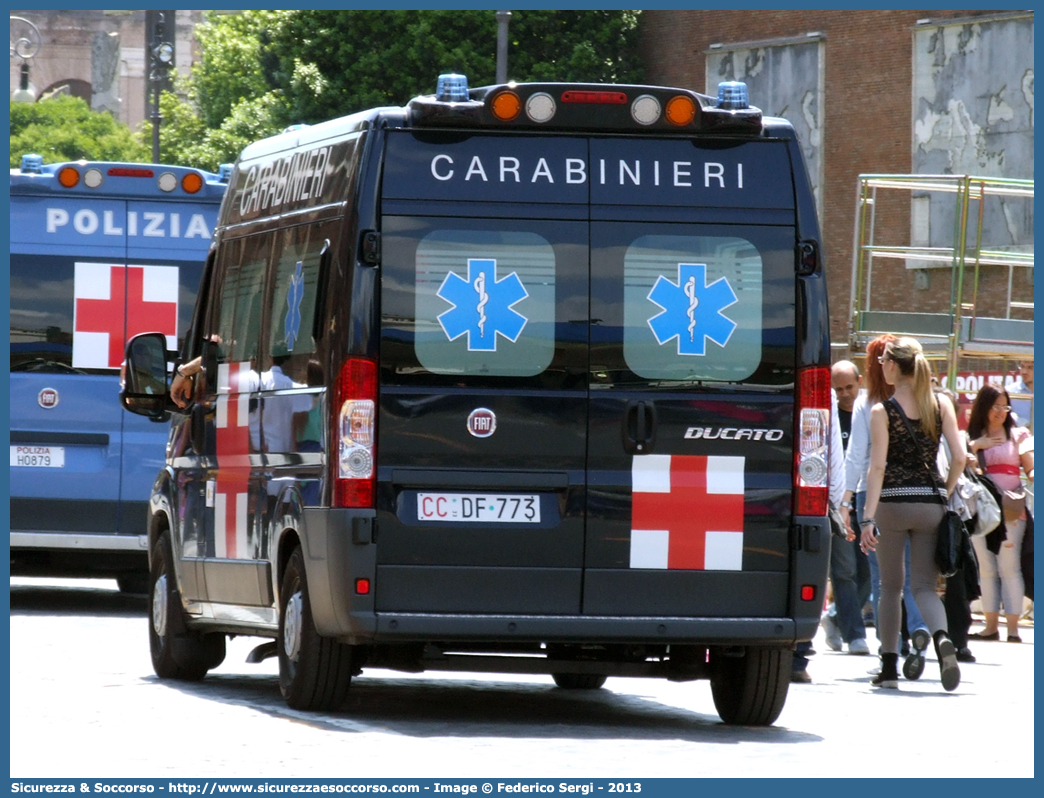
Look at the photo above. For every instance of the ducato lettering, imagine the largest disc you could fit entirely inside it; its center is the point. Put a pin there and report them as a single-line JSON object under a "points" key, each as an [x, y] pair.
{"points": [[732, 434]]}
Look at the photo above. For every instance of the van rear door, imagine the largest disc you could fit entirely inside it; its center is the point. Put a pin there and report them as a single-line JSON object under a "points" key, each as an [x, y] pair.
{"points": [[67, 332], [692, 379], [483, 369]]}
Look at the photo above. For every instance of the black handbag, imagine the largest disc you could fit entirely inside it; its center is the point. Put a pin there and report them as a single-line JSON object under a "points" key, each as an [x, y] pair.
{"points": [[950, 541]]}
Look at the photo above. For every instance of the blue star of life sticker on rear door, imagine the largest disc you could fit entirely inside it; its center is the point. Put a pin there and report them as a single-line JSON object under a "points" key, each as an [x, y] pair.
{"points": [[692, 309], [294, 295], [482, 305]]}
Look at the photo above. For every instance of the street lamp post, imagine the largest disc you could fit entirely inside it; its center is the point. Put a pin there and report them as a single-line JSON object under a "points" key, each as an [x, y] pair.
{"points": [[161, 59], [25, 43], [503, 17]]}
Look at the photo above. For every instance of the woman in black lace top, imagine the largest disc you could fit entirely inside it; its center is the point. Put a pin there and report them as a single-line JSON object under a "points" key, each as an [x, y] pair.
{"points": [[907, 496]]}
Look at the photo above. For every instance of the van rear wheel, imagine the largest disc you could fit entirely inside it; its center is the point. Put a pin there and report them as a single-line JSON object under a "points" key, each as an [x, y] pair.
{"points": [[750, 690], [579, 681], [314, 671], [176, 652]]}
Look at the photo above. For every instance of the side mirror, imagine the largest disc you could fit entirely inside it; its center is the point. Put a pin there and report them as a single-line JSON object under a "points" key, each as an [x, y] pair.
{"points": [[146, 389]]}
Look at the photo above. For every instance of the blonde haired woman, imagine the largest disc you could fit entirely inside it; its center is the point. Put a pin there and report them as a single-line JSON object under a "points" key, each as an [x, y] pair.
{"points": [[905, 499]]}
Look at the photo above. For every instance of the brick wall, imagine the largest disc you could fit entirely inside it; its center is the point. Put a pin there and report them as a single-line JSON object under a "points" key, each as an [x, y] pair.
{"points": [[866, 125]]}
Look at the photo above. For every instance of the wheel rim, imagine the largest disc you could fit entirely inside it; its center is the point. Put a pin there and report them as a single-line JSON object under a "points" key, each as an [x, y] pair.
{"points": [[292, 627], [159, 606]]}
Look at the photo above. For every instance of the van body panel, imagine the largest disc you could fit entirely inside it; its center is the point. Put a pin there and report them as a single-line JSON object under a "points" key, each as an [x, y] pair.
{"points": [[587, 347], [90, 266]]}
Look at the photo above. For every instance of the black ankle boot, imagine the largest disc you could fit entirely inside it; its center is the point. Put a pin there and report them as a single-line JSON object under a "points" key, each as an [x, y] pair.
{"points": [[949, 670], [889, 675]]}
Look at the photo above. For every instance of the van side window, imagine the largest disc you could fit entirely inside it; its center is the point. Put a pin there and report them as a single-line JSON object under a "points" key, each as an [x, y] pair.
{"points": [[294, 293], [249, 294]]}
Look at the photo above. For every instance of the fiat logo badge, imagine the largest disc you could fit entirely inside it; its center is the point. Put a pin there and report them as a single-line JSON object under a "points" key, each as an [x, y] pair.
{"points": [[482, 422], [48, 398]]}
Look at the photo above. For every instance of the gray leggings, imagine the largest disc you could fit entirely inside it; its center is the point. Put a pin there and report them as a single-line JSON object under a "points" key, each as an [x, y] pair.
{"points": [[918, 522]]}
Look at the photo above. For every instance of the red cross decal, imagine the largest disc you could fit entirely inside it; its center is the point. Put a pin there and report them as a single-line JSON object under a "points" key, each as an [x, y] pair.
{"points": [[126, 296], [687, 512], [232, 442]]}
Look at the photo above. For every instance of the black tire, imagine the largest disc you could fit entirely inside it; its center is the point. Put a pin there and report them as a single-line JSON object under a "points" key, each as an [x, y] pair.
{"points": [[176, 652], [579, 681], [750, 690], [136, 584], [314, 671]]}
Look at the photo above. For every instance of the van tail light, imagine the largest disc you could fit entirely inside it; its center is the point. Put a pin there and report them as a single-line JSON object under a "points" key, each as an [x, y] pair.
{"points": [[355, 428], [811, 456]]}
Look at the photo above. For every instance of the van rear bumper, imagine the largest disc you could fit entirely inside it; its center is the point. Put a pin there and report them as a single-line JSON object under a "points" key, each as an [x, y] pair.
{"points": [[340, 554], [406, 627]]}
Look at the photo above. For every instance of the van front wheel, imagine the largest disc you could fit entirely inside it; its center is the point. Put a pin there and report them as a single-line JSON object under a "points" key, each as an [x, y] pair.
{"points": [[176, 652], [314, 671], [750, 690]]}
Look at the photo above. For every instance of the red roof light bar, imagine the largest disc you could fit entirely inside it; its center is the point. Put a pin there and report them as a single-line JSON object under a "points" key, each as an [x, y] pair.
{"points": [[119, 171], [595, 97]]}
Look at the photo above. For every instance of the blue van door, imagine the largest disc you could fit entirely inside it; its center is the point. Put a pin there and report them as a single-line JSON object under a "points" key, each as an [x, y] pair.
{"points": [[690, 450], [67, 326], [163, 275]]}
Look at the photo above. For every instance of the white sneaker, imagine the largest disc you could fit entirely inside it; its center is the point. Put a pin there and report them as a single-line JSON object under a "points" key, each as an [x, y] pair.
{"points": [[858, 646], [833, 634]]}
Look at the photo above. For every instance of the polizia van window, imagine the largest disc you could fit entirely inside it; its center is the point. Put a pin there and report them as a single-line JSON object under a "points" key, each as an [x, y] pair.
{"points": [[692, 308], [485, 303]]}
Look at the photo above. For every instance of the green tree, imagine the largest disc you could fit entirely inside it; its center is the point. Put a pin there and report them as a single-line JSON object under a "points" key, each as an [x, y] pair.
{"points": [[331, 63], [262, 70], [64, 128]]}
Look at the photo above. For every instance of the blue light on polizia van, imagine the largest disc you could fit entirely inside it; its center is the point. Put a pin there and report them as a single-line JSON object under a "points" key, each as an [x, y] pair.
{"points": [[452, 88], [732, 95], [32, 163]]}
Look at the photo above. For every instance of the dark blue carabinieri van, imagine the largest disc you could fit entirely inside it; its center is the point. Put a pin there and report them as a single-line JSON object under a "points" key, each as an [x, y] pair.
{"points": [[523, 378]]}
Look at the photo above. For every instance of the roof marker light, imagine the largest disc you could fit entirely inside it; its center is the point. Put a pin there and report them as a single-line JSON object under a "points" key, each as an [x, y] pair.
{"points": [[452, 88], [540, 107], [506, 105], [681, 110], [645, 110], [32, 164], [69, 177], [92, 178], [732, 95], [168, 181], [191, 183]]}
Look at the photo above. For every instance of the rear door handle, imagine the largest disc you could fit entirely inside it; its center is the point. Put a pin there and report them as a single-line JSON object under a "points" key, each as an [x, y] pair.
{"points": [[639, 427]]}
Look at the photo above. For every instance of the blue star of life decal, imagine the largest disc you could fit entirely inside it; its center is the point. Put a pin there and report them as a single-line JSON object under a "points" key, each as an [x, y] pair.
{"points": [[294, 295], [482, 305], [692, 309]]}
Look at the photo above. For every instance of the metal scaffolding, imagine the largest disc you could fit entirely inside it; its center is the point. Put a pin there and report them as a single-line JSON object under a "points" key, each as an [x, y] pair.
{"points": [[965, 330]]}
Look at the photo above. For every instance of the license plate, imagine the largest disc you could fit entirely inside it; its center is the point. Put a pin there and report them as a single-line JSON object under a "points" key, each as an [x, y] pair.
{"points": [[37, 456], [487, 508]]}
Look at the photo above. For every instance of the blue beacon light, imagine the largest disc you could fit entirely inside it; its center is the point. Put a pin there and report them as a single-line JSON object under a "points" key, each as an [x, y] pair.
{"points": [[732, 95], [452, 88]]}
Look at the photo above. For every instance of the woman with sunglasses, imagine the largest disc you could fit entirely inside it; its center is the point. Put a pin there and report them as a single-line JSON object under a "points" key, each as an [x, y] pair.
{"points": [[1006, 450], [905, 498], [857, 462]]}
